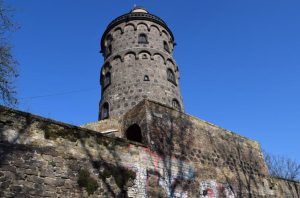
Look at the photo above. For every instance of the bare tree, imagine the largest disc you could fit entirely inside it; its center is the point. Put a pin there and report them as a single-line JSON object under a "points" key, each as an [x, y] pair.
{"points": [[283, 167], [8, 64]]}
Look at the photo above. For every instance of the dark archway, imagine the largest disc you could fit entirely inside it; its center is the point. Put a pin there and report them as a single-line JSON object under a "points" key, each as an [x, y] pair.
{"points": [[107, 80], [105, 111], [166, 46], [134, 133], [171, 76], [143, 39], [175, 104]]}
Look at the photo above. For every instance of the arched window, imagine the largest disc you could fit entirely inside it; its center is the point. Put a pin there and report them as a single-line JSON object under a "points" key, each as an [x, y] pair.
{"points": [[109, 45], [143, 39], [146, 78], [107, 80], [171, 76], [166, 46], [109, 50], [144, 56], [105, 111], [175, 104], [109, 40], [134, 133]]}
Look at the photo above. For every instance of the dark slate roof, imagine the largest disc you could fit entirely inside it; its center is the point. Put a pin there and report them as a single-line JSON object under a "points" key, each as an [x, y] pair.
{"points": [[135, 16]]}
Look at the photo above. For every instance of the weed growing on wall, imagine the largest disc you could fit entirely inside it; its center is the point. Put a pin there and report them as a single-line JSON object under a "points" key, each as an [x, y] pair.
{"points": [[87, 182]]}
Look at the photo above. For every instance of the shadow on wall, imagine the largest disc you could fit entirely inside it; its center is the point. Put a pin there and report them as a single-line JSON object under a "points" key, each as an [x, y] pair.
{"points": [[38, 158], [170, 139], [41, 157], [246, 181], [168, 174], [201, 160], [244, 171]]}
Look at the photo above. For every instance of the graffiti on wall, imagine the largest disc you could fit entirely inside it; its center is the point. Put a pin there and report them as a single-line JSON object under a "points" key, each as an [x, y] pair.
{"points": [[167, 176], [212, 189], [139, 187], [170, 177]]}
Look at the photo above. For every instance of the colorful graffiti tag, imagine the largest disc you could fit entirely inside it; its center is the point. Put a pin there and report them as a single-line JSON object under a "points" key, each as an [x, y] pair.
{"points": [[170, 177], [212, 189]]}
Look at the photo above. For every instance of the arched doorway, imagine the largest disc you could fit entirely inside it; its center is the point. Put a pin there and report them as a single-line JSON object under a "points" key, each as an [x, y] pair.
{"points": [[134, 133]]}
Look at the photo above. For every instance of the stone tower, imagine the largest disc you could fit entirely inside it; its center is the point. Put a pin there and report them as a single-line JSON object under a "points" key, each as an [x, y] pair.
{"points": [[138, 64]]}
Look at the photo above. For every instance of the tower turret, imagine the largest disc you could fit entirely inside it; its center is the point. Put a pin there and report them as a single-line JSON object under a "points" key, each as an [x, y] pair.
{"points": [[138, 64]]}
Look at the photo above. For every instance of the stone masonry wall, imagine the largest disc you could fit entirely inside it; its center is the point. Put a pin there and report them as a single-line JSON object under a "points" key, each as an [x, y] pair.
{"points": [[216, 154], [129, 63], [44, 158]]}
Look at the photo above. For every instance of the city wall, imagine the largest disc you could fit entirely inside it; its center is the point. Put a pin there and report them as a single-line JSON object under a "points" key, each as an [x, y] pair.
{"points": [[44, 158]]}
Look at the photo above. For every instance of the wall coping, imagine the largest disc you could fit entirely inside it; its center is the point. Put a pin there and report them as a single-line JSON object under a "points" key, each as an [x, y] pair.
{"points": [[69, 126]]}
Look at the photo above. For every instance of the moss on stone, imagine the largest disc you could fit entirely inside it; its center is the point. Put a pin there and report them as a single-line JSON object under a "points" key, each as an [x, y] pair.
{"points": [[87, 182], [52, 163]]}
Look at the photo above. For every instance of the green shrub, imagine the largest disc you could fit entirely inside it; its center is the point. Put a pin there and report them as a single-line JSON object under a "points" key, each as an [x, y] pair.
{"points": [[87, 182]]}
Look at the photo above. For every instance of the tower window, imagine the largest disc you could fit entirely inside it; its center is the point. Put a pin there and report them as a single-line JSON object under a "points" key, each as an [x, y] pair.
{"points": [[146, 78], [134, 133], [109, 45], [175, 104], [105, 111], [166, 46], [108, 50], [143, 39], [144, 56], [107, 80], [171, 76]]}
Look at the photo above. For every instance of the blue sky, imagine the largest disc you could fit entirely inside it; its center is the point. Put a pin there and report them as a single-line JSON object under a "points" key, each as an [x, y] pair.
{"points": [[239, 61]]}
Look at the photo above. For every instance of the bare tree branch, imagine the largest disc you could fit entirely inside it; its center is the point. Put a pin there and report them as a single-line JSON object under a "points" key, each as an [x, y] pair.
{"points": [[283, 167], [8, 64]]}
